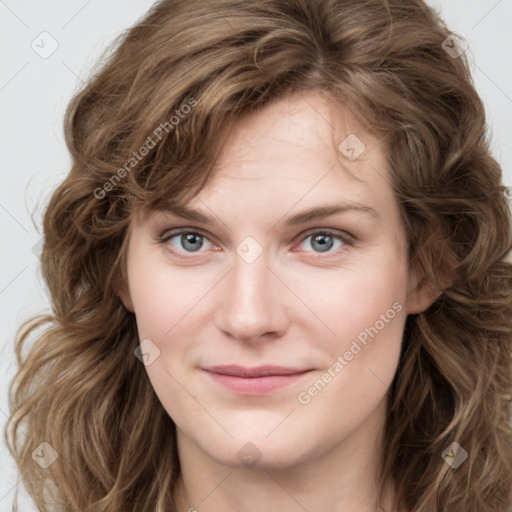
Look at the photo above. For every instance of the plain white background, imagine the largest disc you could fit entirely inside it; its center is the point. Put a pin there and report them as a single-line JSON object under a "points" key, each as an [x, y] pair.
{"points": [[35, 88]]}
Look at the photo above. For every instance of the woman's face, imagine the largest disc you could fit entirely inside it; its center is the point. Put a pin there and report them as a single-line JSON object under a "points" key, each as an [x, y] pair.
{"points": [[323, 295]]}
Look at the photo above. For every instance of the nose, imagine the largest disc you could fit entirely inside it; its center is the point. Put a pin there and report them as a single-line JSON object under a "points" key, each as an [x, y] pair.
{"points": [[252, 302]]}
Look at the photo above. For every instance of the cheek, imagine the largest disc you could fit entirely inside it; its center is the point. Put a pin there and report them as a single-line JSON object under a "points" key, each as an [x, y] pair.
{"points": [[163, 297], [152, 308], [165, 302], [368, 317], [361, 298]]}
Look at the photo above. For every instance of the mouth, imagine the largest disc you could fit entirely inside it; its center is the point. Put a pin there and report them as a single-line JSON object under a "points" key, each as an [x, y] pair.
{"points": [[259, 380]]}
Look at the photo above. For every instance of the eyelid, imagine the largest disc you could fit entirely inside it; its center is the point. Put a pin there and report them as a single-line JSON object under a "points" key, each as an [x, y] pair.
{"points": [[172, 232], [345, 237], [169, 233]]}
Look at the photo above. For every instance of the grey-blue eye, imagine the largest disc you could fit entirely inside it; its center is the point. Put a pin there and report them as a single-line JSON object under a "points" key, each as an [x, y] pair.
{"points": [[324, 241], [187, 241], [192, 242]]}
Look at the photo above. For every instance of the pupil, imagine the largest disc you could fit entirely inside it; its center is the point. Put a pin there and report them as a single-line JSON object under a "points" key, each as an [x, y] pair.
{"points": [[188, 241], [323, 244]]}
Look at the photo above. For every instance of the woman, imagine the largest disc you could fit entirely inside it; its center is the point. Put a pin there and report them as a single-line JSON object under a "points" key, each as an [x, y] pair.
{"points": [[339, 338]]}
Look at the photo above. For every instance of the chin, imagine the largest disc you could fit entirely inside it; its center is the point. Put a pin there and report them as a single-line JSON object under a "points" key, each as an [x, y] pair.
{"points": [[258, 452]]}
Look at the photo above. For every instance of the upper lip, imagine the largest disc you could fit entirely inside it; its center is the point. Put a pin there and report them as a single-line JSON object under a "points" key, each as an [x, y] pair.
{"points": [[257, 371]]}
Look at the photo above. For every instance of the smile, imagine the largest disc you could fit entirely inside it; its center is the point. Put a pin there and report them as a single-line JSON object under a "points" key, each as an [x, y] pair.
{"points": [[254, 381]]}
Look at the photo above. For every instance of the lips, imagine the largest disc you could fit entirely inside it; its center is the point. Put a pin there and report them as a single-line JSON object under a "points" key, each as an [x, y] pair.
{"points": [[259, 380], [259, 371]]}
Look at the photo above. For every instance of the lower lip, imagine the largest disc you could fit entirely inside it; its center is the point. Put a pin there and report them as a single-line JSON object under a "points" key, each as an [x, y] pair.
{"points": [[256, 385]]}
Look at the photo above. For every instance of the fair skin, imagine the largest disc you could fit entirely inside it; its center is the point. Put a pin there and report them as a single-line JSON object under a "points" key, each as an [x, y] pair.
{"points": [[296, 305]]}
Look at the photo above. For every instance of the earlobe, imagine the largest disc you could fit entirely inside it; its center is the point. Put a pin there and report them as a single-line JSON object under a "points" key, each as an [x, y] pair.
{"points": [[125, 297], [427, 285], [425, 290], [422, 296], [431, 276]]}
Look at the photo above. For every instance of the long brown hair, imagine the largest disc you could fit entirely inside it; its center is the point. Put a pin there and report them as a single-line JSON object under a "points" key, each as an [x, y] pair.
{"points": [[176, 84]]}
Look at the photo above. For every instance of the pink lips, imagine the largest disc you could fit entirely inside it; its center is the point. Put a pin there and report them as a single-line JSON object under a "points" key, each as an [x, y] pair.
{"points": [[254, 381]]}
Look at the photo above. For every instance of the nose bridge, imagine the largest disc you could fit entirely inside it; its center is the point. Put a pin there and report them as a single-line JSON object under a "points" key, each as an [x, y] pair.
{"points": [[250, 282], [250, 306]]}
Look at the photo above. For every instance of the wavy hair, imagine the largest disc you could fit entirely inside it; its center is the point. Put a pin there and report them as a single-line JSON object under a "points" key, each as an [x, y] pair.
{"points": [[80, 389]]}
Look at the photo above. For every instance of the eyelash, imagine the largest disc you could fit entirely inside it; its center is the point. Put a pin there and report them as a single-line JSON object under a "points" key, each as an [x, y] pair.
{"points": [[347, 240]]}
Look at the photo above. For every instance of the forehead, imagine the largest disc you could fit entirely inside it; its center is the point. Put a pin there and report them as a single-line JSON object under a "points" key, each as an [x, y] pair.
{"points": [[298, 126], [291, 156], [302, 144]]}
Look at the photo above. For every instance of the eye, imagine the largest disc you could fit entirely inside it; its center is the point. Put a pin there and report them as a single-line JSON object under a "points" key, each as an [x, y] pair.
{"points": [[324, 241], [186, 241]]}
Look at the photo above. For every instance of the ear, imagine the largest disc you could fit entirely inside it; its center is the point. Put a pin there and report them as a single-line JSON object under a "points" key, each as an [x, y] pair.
{"points": [[124, 295], [425, 290], [421, 295]]}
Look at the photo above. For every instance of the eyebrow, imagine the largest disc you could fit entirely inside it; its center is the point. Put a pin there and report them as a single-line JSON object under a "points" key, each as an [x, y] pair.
{"points": [[315, 213]]}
